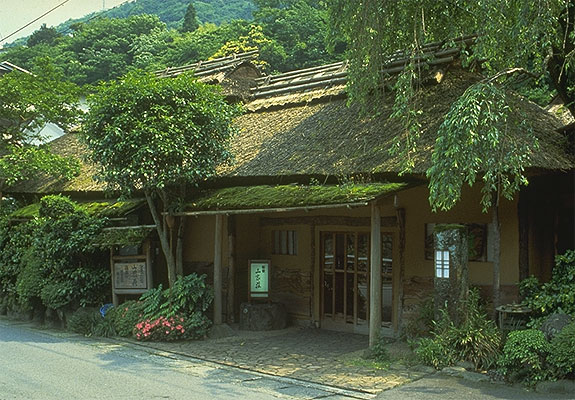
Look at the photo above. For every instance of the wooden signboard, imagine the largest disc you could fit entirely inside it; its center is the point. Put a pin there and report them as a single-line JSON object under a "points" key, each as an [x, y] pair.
{"points": [[259, 277], [130, 275]]}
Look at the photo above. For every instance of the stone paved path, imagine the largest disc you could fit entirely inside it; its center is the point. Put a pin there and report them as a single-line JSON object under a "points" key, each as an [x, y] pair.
{"points": [[314, 355]]}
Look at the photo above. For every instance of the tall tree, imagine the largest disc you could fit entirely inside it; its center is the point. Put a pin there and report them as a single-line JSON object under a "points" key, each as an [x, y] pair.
{"points": [[158, 136], [531, 38], [28, 101], [190, 22], [43, 35]]}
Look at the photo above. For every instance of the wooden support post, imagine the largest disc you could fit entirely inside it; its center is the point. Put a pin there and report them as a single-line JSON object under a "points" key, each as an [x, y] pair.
{"points": [[523, 218], [148, 253], [231, 268], [375, 277], [218, 270], [115, 299], [400, 212]]}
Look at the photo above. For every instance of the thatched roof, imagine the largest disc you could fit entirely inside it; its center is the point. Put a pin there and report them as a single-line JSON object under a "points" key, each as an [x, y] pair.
{"points": [[315, 133], [68, 145]]}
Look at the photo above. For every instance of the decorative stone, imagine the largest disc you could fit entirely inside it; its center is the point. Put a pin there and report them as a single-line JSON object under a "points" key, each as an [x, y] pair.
{"points": [[553, 324], [262, 316], [451, 280]]}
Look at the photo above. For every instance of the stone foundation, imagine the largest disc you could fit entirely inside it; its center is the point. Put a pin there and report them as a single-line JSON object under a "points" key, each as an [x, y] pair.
{"points": [[262, 316]]}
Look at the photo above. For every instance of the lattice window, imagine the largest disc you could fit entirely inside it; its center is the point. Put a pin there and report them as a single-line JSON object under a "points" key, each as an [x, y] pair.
{"points": [[441, 264], [285, 242]]}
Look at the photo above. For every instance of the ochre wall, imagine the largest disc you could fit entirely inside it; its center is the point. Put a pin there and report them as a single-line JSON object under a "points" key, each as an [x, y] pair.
{"points": [[418, 213]]}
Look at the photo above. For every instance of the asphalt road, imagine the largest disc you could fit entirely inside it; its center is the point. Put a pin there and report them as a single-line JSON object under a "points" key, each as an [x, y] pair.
{"points": [[36, 365]]}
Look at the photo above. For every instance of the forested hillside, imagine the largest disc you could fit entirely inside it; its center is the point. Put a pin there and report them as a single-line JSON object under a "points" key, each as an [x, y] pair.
{"points": [[289, 34], [172, 11]]}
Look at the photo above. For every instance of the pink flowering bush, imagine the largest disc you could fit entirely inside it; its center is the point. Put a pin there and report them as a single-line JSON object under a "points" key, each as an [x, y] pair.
{"points": [[161, 329], [175, 313]]}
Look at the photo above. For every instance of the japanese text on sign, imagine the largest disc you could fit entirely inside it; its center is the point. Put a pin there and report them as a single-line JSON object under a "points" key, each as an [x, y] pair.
{"points": [[130, 275], [259, 278]]}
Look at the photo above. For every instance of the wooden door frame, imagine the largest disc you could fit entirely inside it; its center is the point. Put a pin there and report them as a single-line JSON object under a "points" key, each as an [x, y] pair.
{"points": [[341, 324]]}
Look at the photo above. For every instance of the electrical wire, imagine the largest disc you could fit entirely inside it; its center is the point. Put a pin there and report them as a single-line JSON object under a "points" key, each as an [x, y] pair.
{"points": [[34, 20]]}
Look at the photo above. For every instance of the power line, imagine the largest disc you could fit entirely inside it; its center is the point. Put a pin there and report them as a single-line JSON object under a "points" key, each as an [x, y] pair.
{"points": [[31, 22]]}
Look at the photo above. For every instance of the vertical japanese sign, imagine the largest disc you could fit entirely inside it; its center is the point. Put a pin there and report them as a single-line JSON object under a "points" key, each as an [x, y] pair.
{"points": [[259, 271]]}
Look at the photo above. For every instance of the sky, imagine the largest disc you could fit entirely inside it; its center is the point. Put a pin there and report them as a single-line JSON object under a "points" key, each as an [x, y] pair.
{"points": [[14, 14]]}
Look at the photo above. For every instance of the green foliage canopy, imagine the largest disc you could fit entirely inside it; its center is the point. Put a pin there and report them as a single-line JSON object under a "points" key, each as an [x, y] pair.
{"points": [[473, 140], [149, 133], [49, 261], [28, 102]]}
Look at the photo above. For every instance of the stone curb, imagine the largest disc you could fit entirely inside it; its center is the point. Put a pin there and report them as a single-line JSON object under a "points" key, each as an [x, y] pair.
{"points": [[564, 386]]}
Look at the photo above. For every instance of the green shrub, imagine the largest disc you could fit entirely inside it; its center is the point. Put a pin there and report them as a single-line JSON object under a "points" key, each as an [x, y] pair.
{"points": [[56, 295], [476, 339], [188, 299], [124, 317], [188, 294], [55, 206], [561, 358], [524, 355], [433, 352], [14, 243], [83, 321], [31, 278], [557, 295], [104, 327]]}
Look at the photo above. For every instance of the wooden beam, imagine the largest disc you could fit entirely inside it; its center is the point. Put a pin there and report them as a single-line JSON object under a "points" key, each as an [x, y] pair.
{"points": [[218, 270], [375, 277], [387, 222], [271, 210]]}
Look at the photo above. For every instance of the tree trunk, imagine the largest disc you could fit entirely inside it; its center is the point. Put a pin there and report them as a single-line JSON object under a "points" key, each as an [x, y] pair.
{"points": [[164, 240], [496, 259], [180, 246], [556, 65]]}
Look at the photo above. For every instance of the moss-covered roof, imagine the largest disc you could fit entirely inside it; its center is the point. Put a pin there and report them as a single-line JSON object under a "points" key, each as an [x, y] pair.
{"points": [[123, 236], [110, 209], [289, 196]]}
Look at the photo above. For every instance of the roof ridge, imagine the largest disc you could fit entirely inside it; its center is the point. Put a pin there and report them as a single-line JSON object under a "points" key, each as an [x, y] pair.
{"points": [[207, 67], [334, 74]]}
